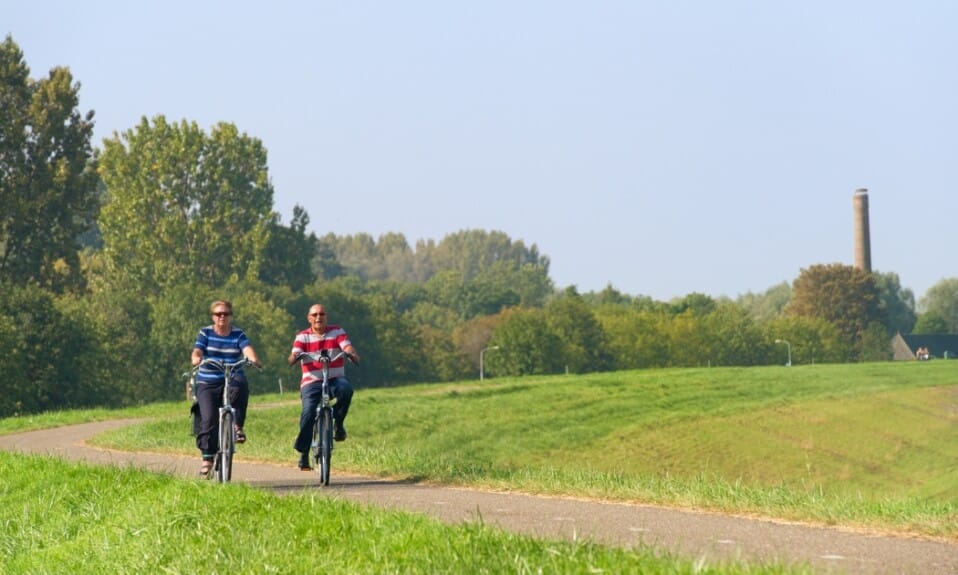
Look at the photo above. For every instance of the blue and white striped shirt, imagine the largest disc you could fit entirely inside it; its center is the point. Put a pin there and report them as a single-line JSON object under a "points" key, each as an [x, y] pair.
{"points": [[226, 348]]}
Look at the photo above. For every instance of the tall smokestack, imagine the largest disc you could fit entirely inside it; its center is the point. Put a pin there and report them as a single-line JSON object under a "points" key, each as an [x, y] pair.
{"points": [[863, 249]]}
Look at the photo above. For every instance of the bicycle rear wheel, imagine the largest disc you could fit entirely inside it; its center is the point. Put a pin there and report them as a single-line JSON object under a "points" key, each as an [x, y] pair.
{"points": [[324, 443], [224, 459]]}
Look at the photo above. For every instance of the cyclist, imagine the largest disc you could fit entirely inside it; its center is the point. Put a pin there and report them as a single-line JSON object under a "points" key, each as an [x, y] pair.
{"points": [[319, 336], [228, 343]]}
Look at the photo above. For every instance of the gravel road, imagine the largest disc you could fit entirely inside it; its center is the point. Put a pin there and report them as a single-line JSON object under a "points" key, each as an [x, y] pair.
{"points": [[709, 537]]}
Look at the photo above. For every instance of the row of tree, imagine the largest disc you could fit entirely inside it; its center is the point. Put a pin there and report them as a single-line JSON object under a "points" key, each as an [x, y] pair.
{"points": [[110, 257]]}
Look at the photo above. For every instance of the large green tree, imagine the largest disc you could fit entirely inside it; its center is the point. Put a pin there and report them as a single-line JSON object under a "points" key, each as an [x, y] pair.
{"points": [[47, 175], [184, 206], [843, 295]]}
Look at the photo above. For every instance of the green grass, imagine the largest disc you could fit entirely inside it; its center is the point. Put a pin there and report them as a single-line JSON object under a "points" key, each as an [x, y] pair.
{"points": [[60, 418], [62, 518], [863, 445]]}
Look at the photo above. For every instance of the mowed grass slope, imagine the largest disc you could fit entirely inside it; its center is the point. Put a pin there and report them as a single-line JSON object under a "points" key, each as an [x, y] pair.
{"points": [[871, 445], [69, 519]]}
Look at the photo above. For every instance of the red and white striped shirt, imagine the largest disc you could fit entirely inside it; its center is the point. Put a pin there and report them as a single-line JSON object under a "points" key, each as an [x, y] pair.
{"points": [[334, 339]]}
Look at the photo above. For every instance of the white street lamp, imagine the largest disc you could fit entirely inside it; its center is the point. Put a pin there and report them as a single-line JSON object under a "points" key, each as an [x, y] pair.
{"points": [[789, 346], [481, 360]]}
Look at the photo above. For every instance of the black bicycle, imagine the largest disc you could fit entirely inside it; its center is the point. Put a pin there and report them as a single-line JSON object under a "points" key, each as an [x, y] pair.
{"points": [[226, 422], [322, 444]]}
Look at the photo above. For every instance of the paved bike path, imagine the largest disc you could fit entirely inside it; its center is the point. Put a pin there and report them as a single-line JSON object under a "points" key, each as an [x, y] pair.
{"points": [[710, 537]]}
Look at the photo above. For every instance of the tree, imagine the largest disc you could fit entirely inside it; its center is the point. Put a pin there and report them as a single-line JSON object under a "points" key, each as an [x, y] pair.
{"points": [[584, 346], [897, 303], [526, 345], [768, 305], [634, 336], [697, 303], [930, 322], [941, 301], [184, 206], [289, 253], [812, 340], [325, 263], [471, 337], [359, 256], [876, 343], [47, 175], [55, 354], [470, 251], [732, 337], [844, 295]]}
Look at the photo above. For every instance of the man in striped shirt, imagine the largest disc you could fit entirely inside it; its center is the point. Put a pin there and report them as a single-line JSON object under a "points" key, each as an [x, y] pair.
{"points": [[319, 336]]}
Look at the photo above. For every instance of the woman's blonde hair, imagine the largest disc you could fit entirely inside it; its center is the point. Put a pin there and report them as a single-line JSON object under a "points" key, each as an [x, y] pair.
{"points": [[223, 302]]}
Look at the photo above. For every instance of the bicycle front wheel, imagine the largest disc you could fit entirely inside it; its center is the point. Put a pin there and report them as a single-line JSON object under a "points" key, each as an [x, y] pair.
{"points": [[324, 443], [224, 463]]}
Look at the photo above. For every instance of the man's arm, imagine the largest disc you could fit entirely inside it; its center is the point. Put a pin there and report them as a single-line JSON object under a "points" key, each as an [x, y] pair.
{"points": [[352, 352]]}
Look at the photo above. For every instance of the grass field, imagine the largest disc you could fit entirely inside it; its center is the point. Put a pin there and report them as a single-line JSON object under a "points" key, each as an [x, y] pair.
{"points": [[863, 445], [72, 519]]}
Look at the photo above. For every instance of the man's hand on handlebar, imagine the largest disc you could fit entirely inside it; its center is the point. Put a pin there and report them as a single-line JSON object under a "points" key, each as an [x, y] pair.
{"points": [[324, 356]]}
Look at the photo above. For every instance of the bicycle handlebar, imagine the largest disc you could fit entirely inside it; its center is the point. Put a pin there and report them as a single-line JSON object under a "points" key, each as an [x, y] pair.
{"points": [[221, 365], [324, 357]]}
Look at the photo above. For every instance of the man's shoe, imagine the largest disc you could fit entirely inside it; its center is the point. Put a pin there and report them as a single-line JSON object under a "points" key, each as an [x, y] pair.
{"points": [[339, 432], [240, 435], [304, 462]]}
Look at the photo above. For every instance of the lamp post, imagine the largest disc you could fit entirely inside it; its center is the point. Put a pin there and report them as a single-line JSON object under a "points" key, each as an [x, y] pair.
{"points": [[789, 346], [482, 360]]}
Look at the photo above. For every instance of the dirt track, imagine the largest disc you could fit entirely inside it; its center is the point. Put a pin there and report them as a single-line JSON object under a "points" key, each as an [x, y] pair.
{"points": [[708, 536]]}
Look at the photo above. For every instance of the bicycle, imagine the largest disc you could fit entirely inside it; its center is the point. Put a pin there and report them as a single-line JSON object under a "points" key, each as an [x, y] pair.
{"points": [[322, 444], [226, 428]]}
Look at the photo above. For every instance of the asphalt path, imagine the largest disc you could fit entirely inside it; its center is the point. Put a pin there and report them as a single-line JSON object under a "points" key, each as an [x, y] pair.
{"points": [[707, 537]]}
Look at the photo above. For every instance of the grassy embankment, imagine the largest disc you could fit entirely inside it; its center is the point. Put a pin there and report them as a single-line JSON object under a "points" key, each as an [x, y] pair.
{"points": [[71, 519], [870, 445], [865, 445]]}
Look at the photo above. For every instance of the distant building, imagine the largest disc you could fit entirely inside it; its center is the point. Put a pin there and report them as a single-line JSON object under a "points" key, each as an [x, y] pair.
{"points": [[939, 345]]}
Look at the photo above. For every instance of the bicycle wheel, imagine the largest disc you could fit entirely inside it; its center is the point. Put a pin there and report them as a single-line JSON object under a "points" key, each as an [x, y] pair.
{"points": [[324, 427], [224, 458]]}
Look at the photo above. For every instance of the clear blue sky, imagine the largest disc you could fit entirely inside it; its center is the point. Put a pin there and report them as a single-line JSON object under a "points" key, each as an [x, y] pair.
{"points": [[662, 147]]}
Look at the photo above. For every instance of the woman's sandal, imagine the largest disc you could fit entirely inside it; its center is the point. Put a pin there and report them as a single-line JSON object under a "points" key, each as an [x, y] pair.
{"points": [[206, 468]]}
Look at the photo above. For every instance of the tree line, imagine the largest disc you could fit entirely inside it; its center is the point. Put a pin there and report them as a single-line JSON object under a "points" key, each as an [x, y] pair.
{"points": [[110, 256]]}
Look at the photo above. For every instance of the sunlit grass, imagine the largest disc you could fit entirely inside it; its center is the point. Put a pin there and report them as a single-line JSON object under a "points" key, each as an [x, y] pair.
{"points": [[61, 518], [865, 445]]}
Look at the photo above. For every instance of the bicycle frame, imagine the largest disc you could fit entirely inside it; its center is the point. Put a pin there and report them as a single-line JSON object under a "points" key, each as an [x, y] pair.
{"points": [[323, 424], [223, 462]]}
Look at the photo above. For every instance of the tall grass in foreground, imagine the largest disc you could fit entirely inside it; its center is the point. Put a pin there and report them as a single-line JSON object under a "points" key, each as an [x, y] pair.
{"points": [[863, 445], [60, 518]]}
